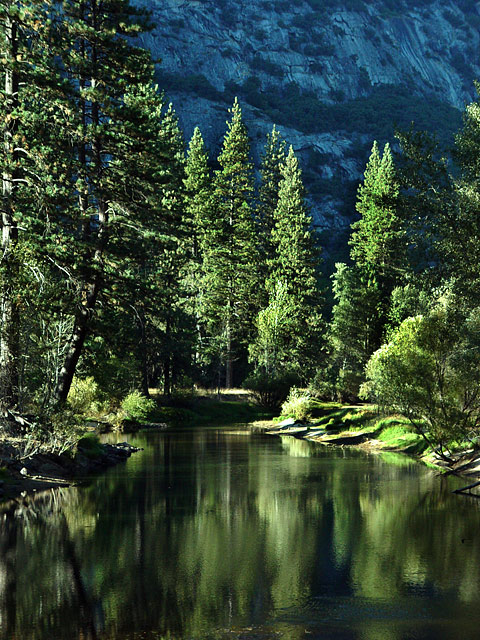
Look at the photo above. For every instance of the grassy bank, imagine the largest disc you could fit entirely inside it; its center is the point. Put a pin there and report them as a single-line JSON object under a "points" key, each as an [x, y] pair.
{"points": [[331, 423], [362, 426]]}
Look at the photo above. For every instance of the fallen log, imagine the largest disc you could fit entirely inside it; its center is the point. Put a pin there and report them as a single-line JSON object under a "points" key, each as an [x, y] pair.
{"points": [[466, 490]]}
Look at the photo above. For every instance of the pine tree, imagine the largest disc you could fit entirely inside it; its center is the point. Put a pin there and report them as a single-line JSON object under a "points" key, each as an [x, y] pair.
{"points": [[101, 64], [378, 237], [10, 320], [363, 290], [33, 161], [355, 330], [230, 284], [171, 255], [273, 159], [198, 218], [198, 193], [295, 264]]}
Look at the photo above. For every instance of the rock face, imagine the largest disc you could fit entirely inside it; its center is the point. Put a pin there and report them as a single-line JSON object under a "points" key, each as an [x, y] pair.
{"points": [[334, 74]]}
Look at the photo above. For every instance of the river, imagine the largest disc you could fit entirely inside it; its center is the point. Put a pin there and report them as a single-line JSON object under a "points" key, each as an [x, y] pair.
{"points": [[222, 533]]}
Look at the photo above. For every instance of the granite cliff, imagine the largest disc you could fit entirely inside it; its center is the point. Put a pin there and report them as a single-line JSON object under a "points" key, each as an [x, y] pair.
{"points": [[333, 74]]}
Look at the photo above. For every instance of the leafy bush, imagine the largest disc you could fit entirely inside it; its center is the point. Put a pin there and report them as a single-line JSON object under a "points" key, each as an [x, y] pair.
{"points": [[323, 385], [430, 373], [270, 391], [58, 434], [85, 396], [298, 404], [136, 406]]}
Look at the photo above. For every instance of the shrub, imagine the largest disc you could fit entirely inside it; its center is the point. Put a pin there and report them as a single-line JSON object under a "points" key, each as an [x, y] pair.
{"points": [[58, 434], [298, 404], [85, 396], [136, 406], [270, 391], [90, 445], [430, 373]]}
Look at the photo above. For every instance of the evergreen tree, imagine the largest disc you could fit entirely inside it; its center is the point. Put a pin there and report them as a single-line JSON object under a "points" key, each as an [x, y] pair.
{"points": [[198, 193], [378, 237], [363, 290], [230, 263], [101, 64], [294, 268], [171, 255], [354, 329], [10, 320], [33, 164], [273, 159], [198, 218]]}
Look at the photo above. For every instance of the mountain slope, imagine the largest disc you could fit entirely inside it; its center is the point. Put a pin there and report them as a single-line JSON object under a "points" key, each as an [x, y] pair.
{"points": [[334, 74]]}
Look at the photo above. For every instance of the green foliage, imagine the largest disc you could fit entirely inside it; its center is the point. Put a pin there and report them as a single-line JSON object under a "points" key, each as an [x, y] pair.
{"points": [[275, 328], [230, 286], [378, 238], [270, 390], [272, 161], [354, 330], [378, 114], [136, 407], [90, 445], [85, 396], [57, 433], [363, 291], [429, 372], [297, 405], [294, 272]]}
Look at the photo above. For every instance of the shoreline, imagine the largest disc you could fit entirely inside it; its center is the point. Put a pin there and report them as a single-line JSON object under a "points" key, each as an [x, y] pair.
{"points": [[44, 471], [40, 472], [467, 467]]}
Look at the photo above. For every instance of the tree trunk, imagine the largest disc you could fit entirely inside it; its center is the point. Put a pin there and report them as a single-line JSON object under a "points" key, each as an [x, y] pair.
{"points": [[229, 359], [10, 308], [167, 363], [95, 233], [77, 340]]}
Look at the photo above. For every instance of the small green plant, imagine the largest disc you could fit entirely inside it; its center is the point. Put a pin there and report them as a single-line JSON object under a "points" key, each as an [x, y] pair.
{"points": [[298, 405], [58, 433], [136, 406]]}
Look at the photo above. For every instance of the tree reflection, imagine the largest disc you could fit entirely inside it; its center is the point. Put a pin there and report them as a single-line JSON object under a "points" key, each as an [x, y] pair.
{"points": [[204, 531]]}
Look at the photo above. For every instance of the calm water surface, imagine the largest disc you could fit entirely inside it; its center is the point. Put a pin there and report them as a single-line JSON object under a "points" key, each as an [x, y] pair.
{"points": [[223, 534]]}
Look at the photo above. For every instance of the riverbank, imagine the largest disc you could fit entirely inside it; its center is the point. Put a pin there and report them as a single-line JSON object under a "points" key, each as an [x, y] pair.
{"points": [[362, 428], [42, 471], [22, 474]]}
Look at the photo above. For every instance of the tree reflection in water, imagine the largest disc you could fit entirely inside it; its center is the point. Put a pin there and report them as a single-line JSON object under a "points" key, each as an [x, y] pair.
{"points": [[203, 534]]}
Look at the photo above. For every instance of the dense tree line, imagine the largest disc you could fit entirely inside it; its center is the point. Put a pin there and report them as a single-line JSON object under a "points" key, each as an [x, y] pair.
{"points": [[404, 329], [125, 256], [132, 259]]}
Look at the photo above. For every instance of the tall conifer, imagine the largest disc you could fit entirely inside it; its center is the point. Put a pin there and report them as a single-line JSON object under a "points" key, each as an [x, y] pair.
{"points": [[270, 177], [363, 290], [33, 162], [295, 264], [101, 64], [230, 261]]}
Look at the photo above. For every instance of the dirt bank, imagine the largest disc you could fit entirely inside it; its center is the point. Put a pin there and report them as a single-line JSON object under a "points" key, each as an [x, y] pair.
{"points": [[48, 470]]}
